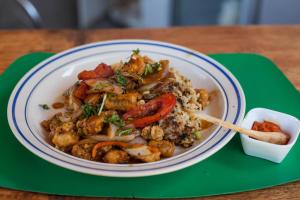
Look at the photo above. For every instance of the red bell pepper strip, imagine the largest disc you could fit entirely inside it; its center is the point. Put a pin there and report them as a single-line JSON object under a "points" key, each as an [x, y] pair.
{"points": [[80, 91], [141, 115], [101, 71]]}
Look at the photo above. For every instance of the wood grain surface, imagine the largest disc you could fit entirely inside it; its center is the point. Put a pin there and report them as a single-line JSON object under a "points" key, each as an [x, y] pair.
{"points": [[279, 43]]}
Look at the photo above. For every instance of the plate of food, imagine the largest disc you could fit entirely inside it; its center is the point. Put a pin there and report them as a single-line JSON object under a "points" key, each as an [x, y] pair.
{"points": [[125, 108]]}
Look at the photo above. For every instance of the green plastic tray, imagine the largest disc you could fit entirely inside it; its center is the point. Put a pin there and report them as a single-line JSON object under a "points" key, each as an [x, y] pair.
{"points": [[227, 171]]}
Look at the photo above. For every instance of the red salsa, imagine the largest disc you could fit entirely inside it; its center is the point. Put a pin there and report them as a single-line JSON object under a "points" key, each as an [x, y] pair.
{"points": [[266, 126]]}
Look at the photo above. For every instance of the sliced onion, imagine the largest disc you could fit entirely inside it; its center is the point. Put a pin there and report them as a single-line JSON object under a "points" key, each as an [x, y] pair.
{"points": [[102, 138], [87, 141], [71, 102], [94, 82], [111, 131], [148, 87], [135, 76], [111, 89]]}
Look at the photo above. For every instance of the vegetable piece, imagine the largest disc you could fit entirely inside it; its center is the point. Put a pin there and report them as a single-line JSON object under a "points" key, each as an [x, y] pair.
{"points": [[89, 110], [104, 70], [136, 51], [115, 119], [197, 135], [80, 91], [161, 105], [72, 103], [108, 143], [124, 132], [149, 69], [153, 67], [102, 104], [120, 78], [148, 87], [101, 138], [158, 72], [101, 71], [44, 106], [102, 85], [111, 130]]}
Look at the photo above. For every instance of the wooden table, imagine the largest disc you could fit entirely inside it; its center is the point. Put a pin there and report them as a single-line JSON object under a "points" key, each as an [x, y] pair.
{"points": [[279, 43]]}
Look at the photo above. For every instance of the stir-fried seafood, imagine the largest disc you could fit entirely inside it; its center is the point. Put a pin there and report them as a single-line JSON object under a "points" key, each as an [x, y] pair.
{"points": [[112, 105]]}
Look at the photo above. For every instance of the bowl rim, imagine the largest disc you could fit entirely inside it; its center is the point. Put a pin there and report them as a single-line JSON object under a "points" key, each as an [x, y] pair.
{"points": [[274, 112]]}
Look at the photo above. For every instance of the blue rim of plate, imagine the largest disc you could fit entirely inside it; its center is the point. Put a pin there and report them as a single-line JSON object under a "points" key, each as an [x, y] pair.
{"points": [[165, 45]]}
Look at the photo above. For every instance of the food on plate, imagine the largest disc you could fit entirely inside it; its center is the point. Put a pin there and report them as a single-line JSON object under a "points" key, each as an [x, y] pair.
{"points": [[129, 112], [266, 126]]}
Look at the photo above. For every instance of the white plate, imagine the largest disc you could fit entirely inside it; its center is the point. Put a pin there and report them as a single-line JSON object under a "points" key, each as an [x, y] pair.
{"points": [[45, 83]]}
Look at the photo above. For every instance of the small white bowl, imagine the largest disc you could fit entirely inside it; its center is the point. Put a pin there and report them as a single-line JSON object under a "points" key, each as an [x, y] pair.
{"points": [[273, 152]]}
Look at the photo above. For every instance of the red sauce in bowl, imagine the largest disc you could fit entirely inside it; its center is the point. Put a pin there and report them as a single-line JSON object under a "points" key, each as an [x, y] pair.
{"points": [[266, 126]]}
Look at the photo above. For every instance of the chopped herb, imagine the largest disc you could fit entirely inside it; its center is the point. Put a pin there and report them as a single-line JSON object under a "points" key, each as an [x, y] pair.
{"points": [[89, 110], [124, 132], [157, 66], [197, 135], [136, 51], [109, 95], [116, 120], [77, 83], [44, 106], [151, 68], [148, 69], [120, 78]]}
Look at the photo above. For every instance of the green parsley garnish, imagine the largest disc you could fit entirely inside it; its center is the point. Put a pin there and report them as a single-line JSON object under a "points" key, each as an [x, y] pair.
{"points": [[116, 120], [124, 132], [151, 68], [136, 51], [44, 106], [148, 69], [109, 95], [197, 135], [120, 78], [89, 110]]}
